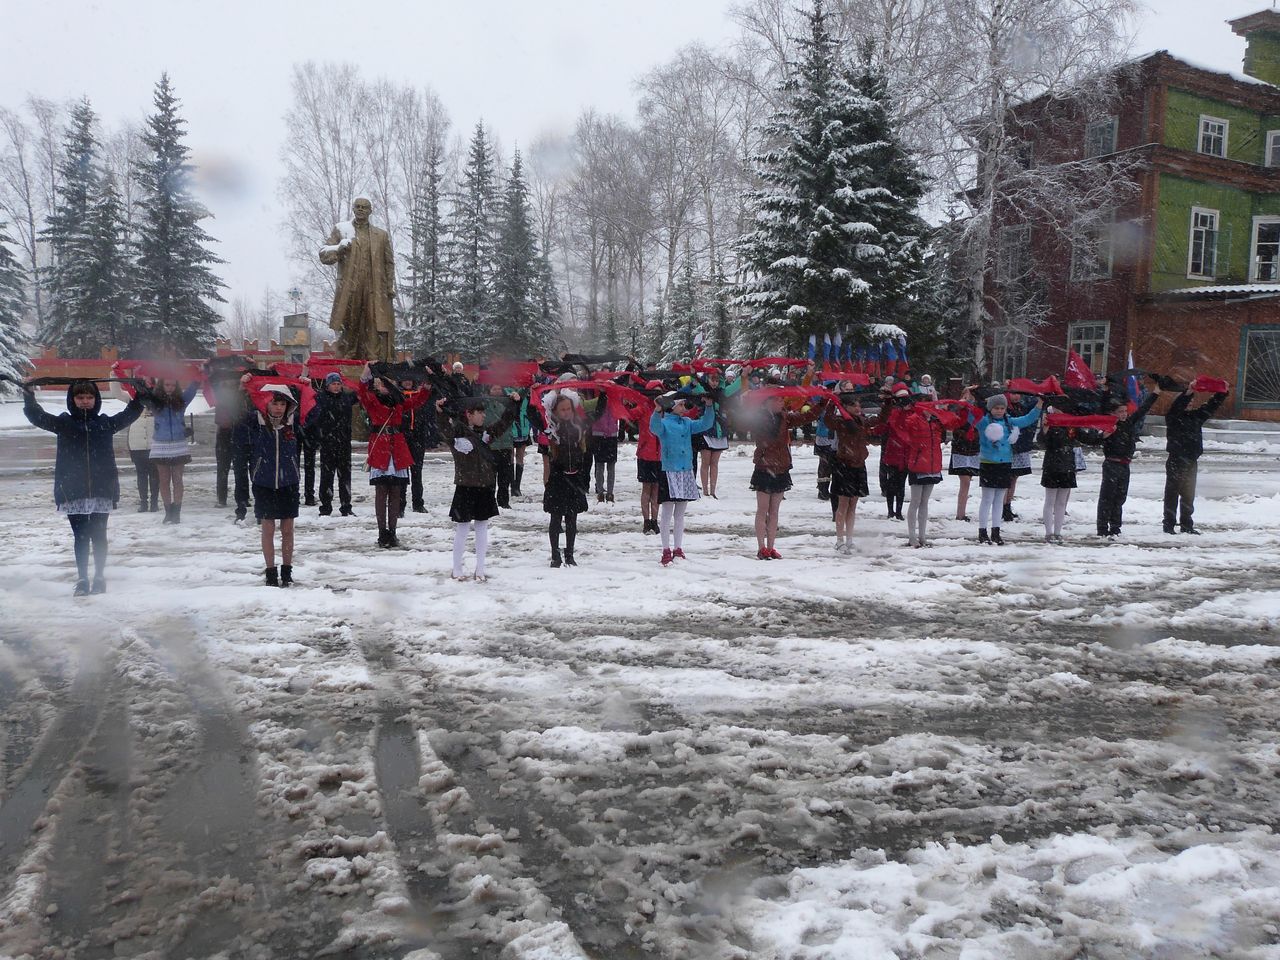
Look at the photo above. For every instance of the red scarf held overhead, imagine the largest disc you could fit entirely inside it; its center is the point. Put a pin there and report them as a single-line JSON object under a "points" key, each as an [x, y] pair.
{"points": [[318, 369], [952, 414], [259, 398], [1048, 387], [1096, 421], [614, 393], [508, 373], [184, 371], [1209, 385]]}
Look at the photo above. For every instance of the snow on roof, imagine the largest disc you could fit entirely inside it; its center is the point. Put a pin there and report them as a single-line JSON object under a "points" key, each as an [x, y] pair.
{"points": [[885, 331], [1272, 289]]}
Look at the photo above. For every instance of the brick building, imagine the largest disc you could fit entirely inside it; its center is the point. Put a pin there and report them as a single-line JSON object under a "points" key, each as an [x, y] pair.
{"points": [[1185, 272]]}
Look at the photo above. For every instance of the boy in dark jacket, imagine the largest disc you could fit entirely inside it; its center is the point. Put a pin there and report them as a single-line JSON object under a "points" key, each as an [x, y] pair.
{"points": [[1184, 441], [274, 438], [86, 485], [419, 426], [474, 476], [1117, 453], [333, 437], [231, 457]]}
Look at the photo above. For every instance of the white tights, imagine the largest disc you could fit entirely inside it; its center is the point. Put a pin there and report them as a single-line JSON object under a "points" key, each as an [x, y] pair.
{"points": [[991, 507], [666, 512], [460, 545], [1055, 510], [918, 513]]}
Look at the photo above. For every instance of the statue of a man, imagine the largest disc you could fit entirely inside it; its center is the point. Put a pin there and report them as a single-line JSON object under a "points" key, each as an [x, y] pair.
{"points": [[363, 306]]}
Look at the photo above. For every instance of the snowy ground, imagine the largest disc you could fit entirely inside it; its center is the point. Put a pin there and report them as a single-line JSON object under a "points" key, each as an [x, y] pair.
{"points": [[964, 751]]}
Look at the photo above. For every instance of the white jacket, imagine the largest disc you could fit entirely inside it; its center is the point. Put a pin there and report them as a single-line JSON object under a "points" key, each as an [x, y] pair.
{"points": [[140, 432]]}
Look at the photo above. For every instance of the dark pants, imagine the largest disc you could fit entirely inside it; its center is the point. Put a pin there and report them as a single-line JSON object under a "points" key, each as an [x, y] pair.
{"points": [[232, 457], [335, 460], [148, 477], [505, 471], [1179, 492], [416, 450], [89, 529], [1111, 497], [309, 472]]}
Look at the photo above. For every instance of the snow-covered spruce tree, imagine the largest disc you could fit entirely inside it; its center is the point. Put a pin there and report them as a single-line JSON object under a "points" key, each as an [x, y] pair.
{"points": [[427, 288], [654, 335], [518, 315], [815, 254], [176, 285], [548, 297], [719, 326], [899, 278], [13, 344], [106, 271], [471, 250], [69, 326], [685, 316]]}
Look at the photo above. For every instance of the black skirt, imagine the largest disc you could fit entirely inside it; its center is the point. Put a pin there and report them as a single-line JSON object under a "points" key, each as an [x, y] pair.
{"points": [[994, 475], [1058, 479], [473, 503], [762, 481], [604, 449], [272, 503], [649, 471], [924, 479], [564, 493], [848, 481]]}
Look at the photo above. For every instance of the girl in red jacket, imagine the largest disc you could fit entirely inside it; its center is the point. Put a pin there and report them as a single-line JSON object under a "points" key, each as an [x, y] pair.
{"points": [[893, 453], [389, 457], [648, 460], [923, 436]]}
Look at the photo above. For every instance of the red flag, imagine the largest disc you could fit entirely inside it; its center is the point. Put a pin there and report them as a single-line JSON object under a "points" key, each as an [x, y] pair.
{"points": [[1078, 373]]}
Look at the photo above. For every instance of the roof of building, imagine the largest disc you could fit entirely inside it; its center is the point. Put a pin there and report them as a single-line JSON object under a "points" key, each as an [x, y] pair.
{"points": [[1225, 291]]}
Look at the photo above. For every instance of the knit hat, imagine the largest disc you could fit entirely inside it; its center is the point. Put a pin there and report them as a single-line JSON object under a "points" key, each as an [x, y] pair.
{"points": [[997, 400], [332, 377], [901, 390]]}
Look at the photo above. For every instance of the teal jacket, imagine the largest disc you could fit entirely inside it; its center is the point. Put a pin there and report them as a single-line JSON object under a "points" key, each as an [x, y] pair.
{"points": [[675, 433]]}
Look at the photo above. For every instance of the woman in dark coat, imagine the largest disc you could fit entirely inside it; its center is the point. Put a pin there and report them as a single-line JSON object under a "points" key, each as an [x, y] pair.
{"points": [[86, 484], [563, 497]]}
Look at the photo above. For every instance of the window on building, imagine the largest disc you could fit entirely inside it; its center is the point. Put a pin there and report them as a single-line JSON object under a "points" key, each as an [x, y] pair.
{"points": [[1213, 136], [1091, 256], [1013, 255], [1090, 341], [1100, 137], [1273, 148], [1009, 353], [1261, 381], [1203, 260], [1266, 250]]}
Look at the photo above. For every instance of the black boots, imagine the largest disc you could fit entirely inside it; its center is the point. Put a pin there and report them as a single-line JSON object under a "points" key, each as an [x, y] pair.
{"points": [[82, 589], [419, 507], [982, 535], [168, 514], [286, 574], [995, 536], [651, 526], [1007, 514], [99, 584], [568, 557], [555, 557], [515, 487], [387, 538], [273, 576], [824, 489], [172, 513]]}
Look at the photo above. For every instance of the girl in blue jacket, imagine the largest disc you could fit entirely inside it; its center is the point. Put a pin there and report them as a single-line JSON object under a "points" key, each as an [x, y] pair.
{"points": [[677, 485], [86, 485], [997, 432], [169, 440]]}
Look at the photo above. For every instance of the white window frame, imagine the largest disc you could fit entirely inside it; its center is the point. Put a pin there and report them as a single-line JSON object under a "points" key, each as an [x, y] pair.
{"points": [[1106, 231], [1191, 239], [1226, 135], [1253, 249], [1114, 125], [1003, 272], [1006, 340], [1096, 360], [1272, 158]]}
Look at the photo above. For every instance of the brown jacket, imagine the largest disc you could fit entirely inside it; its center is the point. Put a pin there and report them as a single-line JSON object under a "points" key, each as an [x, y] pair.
{"points": [[773, 453], [475, 468], [851, 436]]}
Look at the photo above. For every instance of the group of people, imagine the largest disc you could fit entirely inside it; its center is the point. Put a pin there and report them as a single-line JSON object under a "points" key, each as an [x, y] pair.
{"points": [[269, 433]]}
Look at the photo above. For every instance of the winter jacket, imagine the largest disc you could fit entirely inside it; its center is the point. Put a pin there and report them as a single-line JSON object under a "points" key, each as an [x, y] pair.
{"points": [[923, 435], [675, 434], [1026, 439], [170, 419], [964, 441], [230, 404], [1000, 450], [603, 423], [388, 448], [495, 408], [521, 427], [773, 443], [851, 435], [420, 427], [568, 446], [1184, 429], [474, 467], [719, 397], [140, 431], [332, 424], [647, 445], [891, 429], [273, 452], [86, 462], [1121, 445], [1058, 470]]}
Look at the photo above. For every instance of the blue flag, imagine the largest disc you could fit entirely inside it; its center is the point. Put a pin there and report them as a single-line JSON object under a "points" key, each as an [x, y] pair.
{"points": [[813, 346]]}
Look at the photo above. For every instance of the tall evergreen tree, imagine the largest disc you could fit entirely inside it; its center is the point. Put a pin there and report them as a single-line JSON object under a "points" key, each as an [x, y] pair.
{"points": [[654, 337], [719, 324], [471, 247], [427, 290], [176, 283], [816, 253], [548, 299], [69, 324], [107, 270], [519, 321], [13, 344], [685, 315]]}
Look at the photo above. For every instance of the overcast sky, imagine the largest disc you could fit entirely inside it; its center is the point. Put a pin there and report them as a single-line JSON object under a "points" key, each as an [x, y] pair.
{"points": [[522, 65]]}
